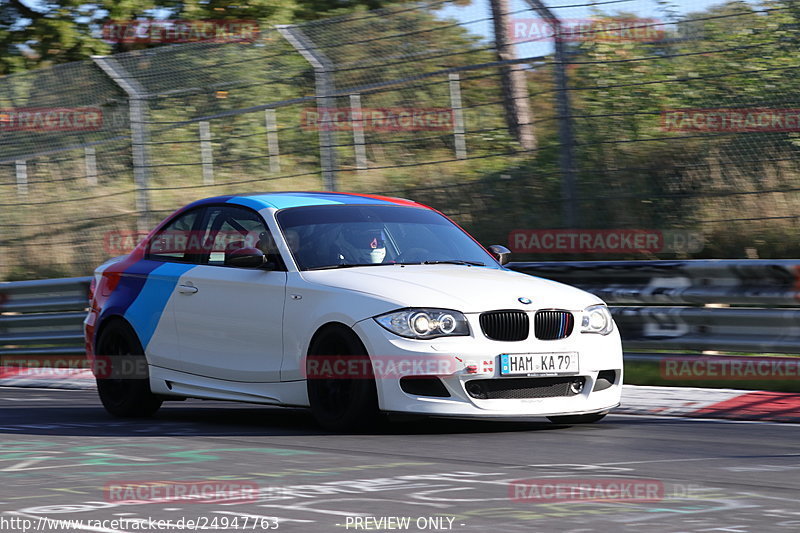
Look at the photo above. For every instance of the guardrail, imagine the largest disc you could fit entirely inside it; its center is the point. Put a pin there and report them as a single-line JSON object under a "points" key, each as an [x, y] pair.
{"points": [[765, 293], [43, 317], [750, 306]]}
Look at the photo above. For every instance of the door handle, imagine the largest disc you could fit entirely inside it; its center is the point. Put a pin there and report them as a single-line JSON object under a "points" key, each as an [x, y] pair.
{"points": [[187, 289]]}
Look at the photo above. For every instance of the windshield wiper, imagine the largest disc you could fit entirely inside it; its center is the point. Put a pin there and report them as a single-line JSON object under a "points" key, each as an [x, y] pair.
{"points": [[347, 265], [351, 265], [454, 262]]}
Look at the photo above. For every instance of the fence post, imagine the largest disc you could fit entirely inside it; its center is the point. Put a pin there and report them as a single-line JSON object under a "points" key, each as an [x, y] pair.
{"points": [[206, 155], [21, 167], [323, 77], [357, 121], [458, 116], [90, 161], [513, 79], [137, 104], [565, 132], [272, 140]]}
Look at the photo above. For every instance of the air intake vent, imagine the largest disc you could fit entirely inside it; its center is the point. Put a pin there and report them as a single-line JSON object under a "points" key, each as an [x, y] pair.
{"points": [[424, 386], [552, 325], [520, 388], [505, 325]]}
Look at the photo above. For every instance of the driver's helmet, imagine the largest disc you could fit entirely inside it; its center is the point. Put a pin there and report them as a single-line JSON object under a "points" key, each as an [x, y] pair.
{"points": [[366, 245], [262, 240]]}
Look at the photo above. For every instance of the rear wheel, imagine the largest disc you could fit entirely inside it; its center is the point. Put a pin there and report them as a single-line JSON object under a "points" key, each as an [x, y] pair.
{"points": [[577, 419], [341, 382], [123, 384]]}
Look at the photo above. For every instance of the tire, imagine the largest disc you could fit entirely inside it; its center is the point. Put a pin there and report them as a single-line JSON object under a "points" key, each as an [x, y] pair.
{"points": [[124, 397], [341, 403], [577, 419]]}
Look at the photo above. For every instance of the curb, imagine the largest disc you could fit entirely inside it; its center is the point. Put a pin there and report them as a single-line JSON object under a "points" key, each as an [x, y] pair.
{"points": [[47, 378], [688, 402]]}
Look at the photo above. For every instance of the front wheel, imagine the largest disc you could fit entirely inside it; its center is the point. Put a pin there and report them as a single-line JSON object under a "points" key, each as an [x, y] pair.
{"points": [[577, 419], [341, 381], [123, 383]]}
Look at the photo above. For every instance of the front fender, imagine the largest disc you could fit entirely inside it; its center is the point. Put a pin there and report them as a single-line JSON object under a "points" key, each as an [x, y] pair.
{"points": [[310, 306]]}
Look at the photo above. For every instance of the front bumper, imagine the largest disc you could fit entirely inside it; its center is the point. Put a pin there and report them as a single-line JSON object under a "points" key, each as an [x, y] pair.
{"points": [[455, 355]]}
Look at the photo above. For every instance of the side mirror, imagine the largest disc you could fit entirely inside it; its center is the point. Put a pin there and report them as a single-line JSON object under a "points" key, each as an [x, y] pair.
{"points": [[248, 258], [500, 253]]}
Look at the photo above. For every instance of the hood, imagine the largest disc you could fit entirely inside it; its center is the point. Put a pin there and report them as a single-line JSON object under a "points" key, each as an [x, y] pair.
{"points": [[462, 288]]}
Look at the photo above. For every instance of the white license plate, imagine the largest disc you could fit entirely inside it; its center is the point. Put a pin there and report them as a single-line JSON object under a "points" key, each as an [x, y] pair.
{"points": [[539, 363]]}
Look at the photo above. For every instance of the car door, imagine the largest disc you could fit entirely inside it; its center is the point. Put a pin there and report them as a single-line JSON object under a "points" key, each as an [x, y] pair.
{"points": [[148, 289], [230, 319]]}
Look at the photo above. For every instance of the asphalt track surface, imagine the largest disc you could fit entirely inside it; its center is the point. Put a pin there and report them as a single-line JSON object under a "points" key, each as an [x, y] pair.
{"points": [[63, 458]]}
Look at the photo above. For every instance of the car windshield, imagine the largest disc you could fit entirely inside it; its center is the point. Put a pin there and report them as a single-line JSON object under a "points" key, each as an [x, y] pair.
{"points": [[338, 236]]}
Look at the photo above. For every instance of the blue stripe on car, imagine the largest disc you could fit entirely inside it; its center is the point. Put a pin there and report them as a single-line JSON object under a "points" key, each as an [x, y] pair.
{"points": [[287, 200], [129, 287], [146, 310]]}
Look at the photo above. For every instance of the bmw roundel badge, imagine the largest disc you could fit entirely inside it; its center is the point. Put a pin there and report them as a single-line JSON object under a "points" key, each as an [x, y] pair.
{"points": [[524, 300]]}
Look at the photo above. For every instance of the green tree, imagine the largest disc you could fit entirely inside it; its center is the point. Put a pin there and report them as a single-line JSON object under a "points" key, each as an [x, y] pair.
{"points": [[49, 33], [35, 34]]}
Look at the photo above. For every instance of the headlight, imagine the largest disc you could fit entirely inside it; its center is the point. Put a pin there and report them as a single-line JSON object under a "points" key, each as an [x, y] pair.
{"points": [[597, 319], [424, 323]]}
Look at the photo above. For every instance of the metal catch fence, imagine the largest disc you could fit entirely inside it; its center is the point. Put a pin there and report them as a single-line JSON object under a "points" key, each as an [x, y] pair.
{"points": [[508, 115]]}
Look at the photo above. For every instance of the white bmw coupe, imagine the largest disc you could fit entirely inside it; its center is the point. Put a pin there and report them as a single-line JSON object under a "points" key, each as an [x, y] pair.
{"points": [[351, 305]]}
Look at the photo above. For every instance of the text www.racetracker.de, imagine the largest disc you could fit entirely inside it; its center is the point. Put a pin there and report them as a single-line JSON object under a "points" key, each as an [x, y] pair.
{"points": [[41, 523]]}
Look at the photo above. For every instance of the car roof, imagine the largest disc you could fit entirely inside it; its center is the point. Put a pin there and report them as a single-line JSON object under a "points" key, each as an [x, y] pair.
{"points": [[284, 200]]}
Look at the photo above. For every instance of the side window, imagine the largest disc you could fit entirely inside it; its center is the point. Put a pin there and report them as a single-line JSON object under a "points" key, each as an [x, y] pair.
{"points": [[172, 243], [229, 228]]}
